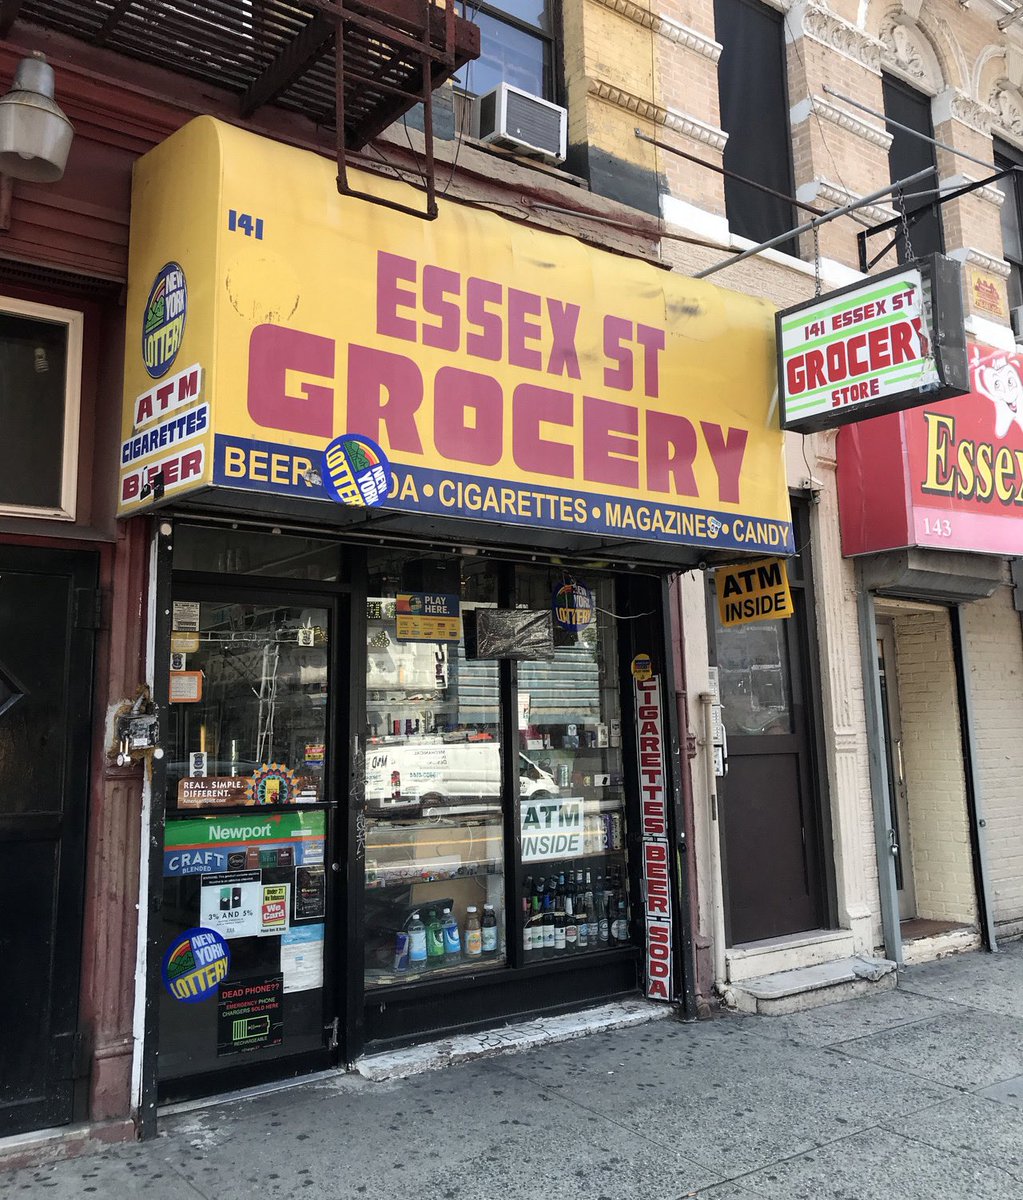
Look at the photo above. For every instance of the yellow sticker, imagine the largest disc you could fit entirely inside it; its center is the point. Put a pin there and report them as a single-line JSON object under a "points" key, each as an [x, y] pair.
{"points": [[642, 667], [756, 591]]}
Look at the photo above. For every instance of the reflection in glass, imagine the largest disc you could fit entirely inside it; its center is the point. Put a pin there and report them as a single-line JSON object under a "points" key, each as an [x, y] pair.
{"points": [[753, 675], [431, 782]]}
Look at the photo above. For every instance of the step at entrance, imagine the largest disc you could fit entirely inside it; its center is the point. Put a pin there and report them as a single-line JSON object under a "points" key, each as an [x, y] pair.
{"points": [[810, 987]]}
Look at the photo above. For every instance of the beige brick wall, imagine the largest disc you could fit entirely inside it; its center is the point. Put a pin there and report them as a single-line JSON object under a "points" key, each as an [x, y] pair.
{"points": [[995, 651], [932, 748]]}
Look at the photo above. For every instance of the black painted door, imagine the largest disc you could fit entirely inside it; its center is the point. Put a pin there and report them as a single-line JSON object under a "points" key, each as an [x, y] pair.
{"points": [[770, 820], [47, 614]]}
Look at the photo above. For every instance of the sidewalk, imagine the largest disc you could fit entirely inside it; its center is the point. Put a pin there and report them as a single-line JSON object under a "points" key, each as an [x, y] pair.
{"points": [[913, 1094]]}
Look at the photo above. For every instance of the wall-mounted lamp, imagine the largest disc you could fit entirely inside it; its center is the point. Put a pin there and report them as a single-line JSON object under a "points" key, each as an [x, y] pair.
{"points": [[35, 135]]}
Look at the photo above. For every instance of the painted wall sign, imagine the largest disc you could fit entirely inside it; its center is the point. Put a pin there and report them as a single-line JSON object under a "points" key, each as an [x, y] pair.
{"points": [[656, 848], [251, 841], [987, 293], [756, 591], [573, 606], [947, 475], [508, 375], [551, 828], [427, 617], [892, 341], [195, 963], [250, 1014]]}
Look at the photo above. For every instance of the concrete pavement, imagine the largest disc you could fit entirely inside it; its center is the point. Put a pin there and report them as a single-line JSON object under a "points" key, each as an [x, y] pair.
{"points": [[912, 1094]]}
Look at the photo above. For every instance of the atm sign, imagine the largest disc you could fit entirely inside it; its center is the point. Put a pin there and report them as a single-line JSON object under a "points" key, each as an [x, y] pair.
{"points": [[758, 591]]}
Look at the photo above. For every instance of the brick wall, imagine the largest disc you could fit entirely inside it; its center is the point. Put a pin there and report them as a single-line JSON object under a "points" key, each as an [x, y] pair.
{"points": [[932, 749]]}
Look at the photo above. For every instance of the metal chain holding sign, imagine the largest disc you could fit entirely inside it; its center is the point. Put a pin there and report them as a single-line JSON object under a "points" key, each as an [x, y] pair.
{"points": [[907, 244], [816, 261]]}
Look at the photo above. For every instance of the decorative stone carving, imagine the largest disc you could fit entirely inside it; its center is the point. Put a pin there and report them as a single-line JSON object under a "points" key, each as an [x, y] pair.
{"points": [[907, 52], [832, 31], [827, 110], [1008, 109], [954, 105], [670, 118], [837, 195]]}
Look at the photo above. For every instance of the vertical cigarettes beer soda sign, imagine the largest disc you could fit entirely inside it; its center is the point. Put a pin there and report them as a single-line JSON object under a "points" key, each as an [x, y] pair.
{"points": [[653, 790], [887, 343]]}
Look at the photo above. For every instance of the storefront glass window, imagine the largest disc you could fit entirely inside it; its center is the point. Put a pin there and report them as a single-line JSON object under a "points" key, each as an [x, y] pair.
{"points": [[245, 891], [221, 551], [753, 673], [434, 841], [572, 795]]}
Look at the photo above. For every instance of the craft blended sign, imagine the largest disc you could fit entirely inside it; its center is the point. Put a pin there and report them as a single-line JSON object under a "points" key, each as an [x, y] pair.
{"points": [[508, 375]]}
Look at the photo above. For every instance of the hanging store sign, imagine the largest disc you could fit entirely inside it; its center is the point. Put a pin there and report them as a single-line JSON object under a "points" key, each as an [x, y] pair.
{"points": [[506, 375], [656, 847], [947, 476], [758, 591], [572, 604], [891, 342]]}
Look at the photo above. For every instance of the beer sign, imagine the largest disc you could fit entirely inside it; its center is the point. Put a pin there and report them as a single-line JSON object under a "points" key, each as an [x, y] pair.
{"points": [[888, 343], [657, 857]]}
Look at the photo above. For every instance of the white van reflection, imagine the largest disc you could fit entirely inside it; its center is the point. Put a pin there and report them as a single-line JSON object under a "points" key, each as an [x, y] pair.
{"points": [[443, 775]]}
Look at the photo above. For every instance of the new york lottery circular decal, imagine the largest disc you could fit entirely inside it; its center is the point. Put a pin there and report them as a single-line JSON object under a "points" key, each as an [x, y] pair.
{"points": [[272, 783], [195, 963], [356, 471], [573, 606], [163, 321]]}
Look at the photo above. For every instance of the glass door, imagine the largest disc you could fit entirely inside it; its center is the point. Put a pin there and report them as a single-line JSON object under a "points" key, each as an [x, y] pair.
{"points": [[246, 881]]}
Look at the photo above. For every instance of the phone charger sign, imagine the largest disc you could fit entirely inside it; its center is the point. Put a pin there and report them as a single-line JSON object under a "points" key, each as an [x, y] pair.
{"points": [[890, 342]]}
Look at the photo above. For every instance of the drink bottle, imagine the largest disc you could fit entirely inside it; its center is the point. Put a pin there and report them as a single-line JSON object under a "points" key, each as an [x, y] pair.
{"points": [[452, 937], [489, 933], [571, 923], [527, 912], [604, 923], [473, 932], [548, 923], [582, 920], [434, 936], [417, 943], [559, 932], [620, 921]]}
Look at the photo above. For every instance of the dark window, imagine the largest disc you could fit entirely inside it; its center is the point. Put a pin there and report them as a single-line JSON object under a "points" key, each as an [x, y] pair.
{"points": [[907, 155], [33, 387], [754, 99], [517, 46], [1012, 220]]}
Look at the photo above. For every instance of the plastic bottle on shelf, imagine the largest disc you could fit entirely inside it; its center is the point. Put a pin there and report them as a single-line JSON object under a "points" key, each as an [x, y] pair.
{"points": [[434, 936], [416, 943], [452, 937], [473, 933], [488, 934]]}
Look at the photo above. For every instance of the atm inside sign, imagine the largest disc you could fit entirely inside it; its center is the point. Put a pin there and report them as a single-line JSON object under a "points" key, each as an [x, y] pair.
{"points": [[757, 591]]}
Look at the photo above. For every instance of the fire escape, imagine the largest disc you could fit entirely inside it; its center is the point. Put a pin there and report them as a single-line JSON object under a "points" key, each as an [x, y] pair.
{"points": [[353, 66]]}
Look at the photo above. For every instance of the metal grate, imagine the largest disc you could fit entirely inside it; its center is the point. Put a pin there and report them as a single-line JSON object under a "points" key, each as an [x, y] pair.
{"points": [[357, 65]]}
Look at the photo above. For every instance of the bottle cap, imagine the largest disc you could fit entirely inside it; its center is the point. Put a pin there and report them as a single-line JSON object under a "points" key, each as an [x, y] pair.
{"points": [[470, 908], [447, 911], [489, 907], [415, 915]]}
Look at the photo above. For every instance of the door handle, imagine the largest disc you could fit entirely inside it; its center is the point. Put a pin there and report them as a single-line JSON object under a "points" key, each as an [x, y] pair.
{"points": [[893, 843]]}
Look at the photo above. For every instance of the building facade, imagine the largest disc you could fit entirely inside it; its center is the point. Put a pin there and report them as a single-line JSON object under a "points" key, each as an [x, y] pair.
{"points": [[336, 755]]}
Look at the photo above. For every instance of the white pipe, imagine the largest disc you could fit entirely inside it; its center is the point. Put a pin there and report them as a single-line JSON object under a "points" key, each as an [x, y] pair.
{"points": [[717, 899]]}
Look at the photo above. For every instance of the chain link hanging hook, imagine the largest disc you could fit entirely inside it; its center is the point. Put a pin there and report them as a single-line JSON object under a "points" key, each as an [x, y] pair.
{"points": [[816, 261], [907, 245]]}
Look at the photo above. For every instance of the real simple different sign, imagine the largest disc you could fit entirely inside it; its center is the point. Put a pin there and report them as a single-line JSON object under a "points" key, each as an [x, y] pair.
{"points": [[507, 375], [888, 343]]}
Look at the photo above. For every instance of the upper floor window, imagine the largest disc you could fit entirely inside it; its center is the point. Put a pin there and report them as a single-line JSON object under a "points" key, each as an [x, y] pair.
{"points": [[40, 375], [517, 46], [752, 80], [907, 155], [1012, 220]]}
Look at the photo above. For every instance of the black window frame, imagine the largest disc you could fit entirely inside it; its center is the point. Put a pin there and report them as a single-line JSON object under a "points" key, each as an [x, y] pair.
{"points": [[922, 241], [744, 204], [1005, 157], [551, 39]]}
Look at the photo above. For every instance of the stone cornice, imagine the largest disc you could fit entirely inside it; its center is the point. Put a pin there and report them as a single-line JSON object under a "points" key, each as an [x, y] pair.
{"points": [[954, 105], [989, 192], [827, 111], [838, 195], [670, 118], [674, 31], [979, 258], [836, 34]]}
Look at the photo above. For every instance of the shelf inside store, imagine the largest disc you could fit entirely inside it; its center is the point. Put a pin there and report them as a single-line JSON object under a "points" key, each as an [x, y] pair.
{"points": [[407, 874], [461, 967]]}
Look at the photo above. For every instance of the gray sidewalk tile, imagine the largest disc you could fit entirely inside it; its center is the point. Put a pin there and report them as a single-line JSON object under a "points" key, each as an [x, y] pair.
{"points": [[1010, 1091], [879, 1165], [974, 1126], [966, 1049]]}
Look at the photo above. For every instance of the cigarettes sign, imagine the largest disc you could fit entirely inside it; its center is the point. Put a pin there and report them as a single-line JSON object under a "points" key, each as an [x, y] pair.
{"points": [[894, 341], [656, 847]]}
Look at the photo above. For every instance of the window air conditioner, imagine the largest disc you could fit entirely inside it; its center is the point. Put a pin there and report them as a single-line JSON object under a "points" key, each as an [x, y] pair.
{"points": [[1016, 321], [519, 121]]}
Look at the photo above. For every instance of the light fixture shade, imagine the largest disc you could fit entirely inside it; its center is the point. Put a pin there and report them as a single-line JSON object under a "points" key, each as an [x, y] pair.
{"points": [[35, 136]]}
